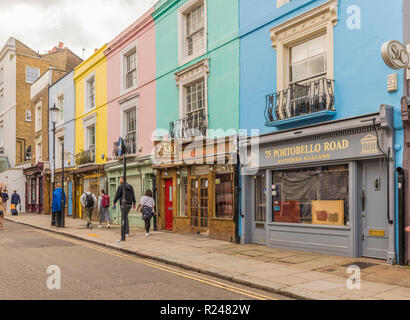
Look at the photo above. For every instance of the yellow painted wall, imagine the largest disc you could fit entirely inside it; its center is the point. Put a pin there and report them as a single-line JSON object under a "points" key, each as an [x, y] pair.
{"points": [[97, 63]]}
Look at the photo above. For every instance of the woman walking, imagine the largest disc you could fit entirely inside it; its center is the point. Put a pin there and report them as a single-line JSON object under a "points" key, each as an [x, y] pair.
{"points": [[103, 208], [147, 208]]}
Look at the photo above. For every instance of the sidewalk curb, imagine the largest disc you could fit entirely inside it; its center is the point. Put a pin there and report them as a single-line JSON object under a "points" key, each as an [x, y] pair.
{"points": [[232, 279]]}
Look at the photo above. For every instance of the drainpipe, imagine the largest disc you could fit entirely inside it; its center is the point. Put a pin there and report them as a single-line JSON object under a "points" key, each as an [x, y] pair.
{"points": [[154, 191], [236, 195], [401, 182]]}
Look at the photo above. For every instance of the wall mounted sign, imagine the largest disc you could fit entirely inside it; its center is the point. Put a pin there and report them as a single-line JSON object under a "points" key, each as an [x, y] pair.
{"points": [[395, 55], [356, 145]]}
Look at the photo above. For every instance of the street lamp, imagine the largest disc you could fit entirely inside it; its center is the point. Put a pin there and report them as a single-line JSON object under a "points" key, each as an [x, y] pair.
{"points": [[53, 116]]}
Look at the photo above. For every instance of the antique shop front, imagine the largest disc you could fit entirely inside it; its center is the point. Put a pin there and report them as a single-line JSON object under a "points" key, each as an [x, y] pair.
{"points": [[327, 188], [196, 187]]}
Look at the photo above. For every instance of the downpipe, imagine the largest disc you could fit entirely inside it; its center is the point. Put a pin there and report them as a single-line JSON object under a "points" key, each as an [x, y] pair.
{"points": [[400, 183]]}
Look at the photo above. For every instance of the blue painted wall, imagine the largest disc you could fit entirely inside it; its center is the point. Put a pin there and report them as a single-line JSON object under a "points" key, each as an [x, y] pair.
{"points": [[359, 72], [64, 86]]}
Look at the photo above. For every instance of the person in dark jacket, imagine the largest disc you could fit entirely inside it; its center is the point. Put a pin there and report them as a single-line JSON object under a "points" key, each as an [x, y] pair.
{"points": [[5, 197], [15, 200], [56, 205], [127, 191]]}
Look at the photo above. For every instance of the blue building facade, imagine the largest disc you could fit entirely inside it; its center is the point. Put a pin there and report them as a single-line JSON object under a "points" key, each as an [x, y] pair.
{"points": [[320, 168], [62, 95]]}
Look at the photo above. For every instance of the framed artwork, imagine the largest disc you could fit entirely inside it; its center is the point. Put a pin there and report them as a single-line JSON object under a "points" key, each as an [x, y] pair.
{"points": [[328, 212]]}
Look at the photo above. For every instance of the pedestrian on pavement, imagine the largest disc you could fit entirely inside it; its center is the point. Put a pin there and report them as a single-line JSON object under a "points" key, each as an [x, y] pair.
{"points": [[104, 208], [89, 203], [56, 209], [2, 213], [15, 200], [125, 193], [5, 198], [147, 208]]}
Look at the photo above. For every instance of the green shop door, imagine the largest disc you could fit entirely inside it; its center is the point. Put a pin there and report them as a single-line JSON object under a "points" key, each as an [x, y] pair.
{"points": [[135, 217], [115, 216]]}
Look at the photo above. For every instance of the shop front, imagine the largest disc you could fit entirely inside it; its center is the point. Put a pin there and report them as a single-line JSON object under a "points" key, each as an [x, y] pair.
{"points": [[327, 188], [90, 176], [37, 189], [196, 187], [139, 176]]}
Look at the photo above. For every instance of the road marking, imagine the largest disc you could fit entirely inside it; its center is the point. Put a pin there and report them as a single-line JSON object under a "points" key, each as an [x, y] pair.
{"points": [[188, 275]]}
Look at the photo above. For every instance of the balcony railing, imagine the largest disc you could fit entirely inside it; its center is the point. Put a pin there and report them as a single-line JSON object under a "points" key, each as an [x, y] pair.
{"points": [[193, 125], [300, 99], [85, 157], [131, 143]]}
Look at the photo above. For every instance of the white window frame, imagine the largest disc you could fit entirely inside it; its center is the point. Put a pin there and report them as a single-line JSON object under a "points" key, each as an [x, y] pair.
{"points": [[89, 122], [189, 76], [280, 3], [33, 68], [126, 106], [124, 54], [39, 151], [60, 114], [59, 135], [183, 58], [39, 116], [316, 22], [86, 93], [28, 115]]}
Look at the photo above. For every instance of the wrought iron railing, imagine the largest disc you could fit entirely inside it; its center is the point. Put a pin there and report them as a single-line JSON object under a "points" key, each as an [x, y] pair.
{"points": [[193, 125], [300, 99], [131, 143], [85, 157]]}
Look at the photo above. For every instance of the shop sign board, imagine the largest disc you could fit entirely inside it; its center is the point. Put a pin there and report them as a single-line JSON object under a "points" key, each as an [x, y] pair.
{"points": [[395, 55], [335, 148]]}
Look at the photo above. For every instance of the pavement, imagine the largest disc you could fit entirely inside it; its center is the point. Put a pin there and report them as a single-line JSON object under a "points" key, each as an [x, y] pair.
{"points": [[295, 274]]}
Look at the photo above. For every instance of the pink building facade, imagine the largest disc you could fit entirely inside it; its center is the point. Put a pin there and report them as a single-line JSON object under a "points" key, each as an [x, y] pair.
{"points": [[131, 111]]}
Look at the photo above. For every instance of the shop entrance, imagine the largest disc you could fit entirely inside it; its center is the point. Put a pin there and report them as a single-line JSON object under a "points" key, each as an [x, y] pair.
{"points": [[169, 209], [259, 217], [199, 203], [374, 209]]}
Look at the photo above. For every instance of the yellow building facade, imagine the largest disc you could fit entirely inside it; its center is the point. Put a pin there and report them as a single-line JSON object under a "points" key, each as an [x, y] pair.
{"points": [[90, 80]]}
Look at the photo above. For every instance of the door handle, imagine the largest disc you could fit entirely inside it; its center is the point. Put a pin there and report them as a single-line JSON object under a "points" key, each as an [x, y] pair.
{"points": [[363, 200]]}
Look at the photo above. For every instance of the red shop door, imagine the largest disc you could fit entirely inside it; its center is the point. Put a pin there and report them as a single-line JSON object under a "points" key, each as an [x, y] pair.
{"points": [[168, 204]]}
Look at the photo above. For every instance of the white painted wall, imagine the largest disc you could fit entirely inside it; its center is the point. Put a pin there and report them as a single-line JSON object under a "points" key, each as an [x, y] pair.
{"points": [[8, 117], [14, 179]]}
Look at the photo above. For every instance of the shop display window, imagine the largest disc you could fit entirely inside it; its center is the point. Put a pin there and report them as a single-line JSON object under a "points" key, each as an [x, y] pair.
{"points": [[260, 198], [224, 196], [183, 197], [318, 195]]}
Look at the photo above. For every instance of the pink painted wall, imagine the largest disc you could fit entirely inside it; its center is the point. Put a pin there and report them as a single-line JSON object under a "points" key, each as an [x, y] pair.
{"points": [[142, 31]]}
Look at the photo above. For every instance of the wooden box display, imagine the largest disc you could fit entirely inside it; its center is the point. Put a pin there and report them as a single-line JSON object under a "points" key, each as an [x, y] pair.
{"points": [[328, 212]]}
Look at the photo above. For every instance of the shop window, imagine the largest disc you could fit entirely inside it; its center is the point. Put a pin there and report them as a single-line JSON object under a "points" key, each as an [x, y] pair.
{"points": [[224, 196], [318, 195], [260, 198], [183, 197]]}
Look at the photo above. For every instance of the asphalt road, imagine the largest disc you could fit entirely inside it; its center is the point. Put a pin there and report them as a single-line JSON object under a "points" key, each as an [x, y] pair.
{"points": [[94, 272]]}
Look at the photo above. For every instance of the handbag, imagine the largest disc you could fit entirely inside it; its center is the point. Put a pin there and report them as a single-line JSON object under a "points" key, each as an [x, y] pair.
{"points": [[147, 212]]}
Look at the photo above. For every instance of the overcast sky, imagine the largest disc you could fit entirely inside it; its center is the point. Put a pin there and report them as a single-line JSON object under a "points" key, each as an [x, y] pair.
{"points": [[88, 24]]}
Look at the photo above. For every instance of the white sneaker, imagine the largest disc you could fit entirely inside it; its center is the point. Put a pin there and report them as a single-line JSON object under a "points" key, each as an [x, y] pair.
{"points": [[108, 226], [99, 227], [147, 234], [127, 235]]}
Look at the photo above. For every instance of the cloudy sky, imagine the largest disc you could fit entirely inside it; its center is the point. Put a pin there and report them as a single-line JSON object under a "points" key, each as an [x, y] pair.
{"points": [[88, 24]]}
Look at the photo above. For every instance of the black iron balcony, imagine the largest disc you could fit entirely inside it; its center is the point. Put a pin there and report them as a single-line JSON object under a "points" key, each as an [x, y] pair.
{"points": [[194, 125], [85, 157], [131, 143], [299, 99]]}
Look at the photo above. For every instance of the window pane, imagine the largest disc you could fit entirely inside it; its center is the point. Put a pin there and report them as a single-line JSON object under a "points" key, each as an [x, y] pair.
{"points": [[299, 71], [316, 46], [299, 53], [317, 195], [224, 196], [317, 65], [260, 199]]}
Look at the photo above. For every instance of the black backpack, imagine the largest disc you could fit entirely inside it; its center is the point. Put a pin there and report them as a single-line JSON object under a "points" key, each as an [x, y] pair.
{"points": [[89, 202]]}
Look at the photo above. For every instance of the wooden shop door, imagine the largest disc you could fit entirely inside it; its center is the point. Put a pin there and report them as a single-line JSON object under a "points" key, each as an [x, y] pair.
{"points": [[199, 203], [169, 209]]}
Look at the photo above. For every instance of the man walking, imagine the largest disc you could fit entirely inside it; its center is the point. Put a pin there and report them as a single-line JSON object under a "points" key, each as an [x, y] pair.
{"points": [[125, 193], [89, 202], [15, 200], [5, 197]]}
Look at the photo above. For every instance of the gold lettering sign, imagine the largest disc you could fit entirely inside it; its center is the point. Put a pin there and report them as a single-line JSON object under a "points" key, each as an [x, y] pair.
{"points": [[377, 233]]}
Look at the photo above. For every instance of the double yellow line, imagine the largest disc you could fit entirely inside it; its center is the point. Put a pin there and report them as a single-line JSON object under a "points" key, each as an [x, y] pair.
{"points": [[181, 273]]}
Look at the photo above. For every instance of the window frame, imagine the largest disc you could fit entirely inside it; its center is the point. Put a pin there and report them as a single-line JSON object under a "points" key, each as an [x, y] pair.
{"points": [[39, 117], [87, 95], [27, 73], [61, 112], [125, 53], [300, 29], [183, 11], [128, 106]]}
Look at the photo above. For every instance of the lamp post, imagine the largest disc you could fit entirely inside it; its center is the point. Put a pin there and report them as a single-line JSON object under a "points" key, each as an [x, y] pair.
{"points": [[53, 115]]}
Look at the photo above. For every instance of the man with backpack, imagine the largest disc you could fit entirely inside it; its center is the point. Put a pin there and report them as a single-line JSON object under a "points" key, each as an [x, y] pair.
{"points": [[89, 202], [103, 208], [125, 193]]}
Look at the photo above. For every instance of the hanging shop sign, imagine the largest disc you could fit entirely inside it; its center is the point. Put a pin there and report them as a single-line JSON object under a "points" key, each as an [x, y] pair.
{"points": [[395, 55], [335, 148]]}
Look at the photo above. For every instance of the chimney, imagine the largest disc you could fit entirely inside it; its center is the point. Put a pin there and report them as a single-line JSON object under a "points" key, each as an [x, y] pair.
{"points": [[61, 45]]}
